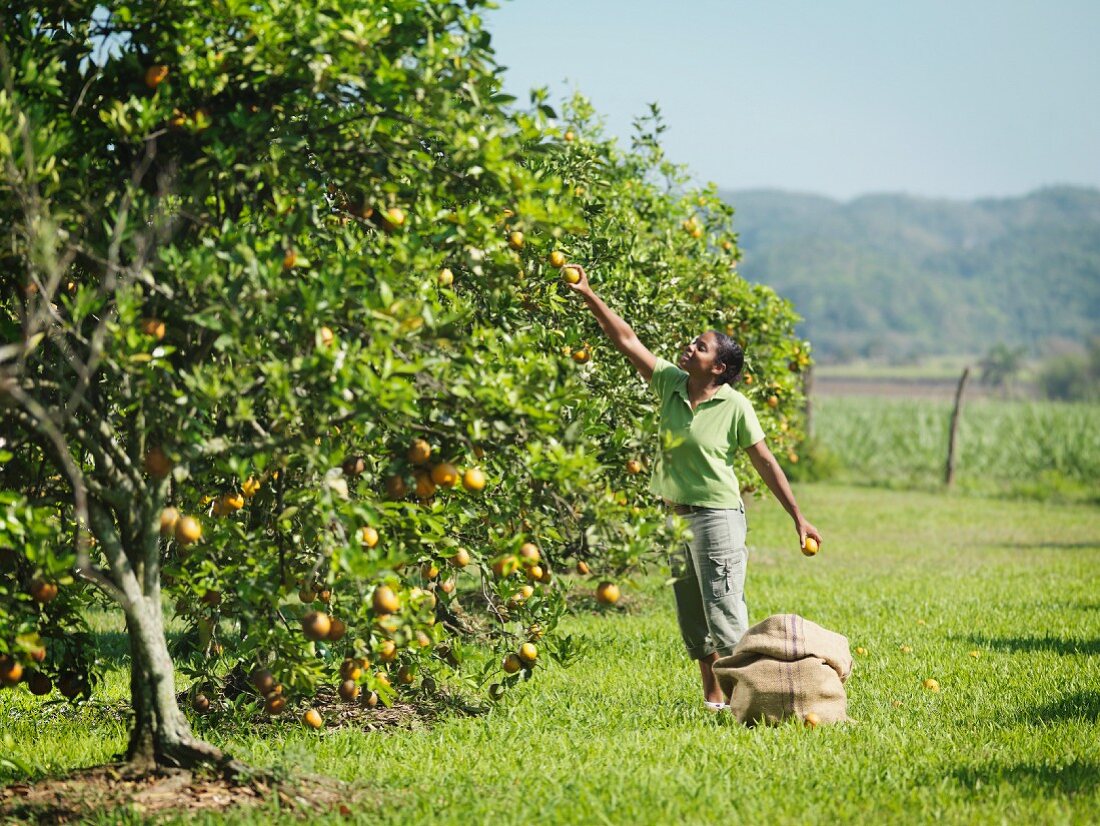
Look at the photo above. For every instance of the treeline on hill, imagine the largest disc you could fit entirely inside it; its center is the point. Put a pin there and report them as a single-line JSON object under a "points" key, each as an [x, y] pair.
{"points": [[897, 277]]}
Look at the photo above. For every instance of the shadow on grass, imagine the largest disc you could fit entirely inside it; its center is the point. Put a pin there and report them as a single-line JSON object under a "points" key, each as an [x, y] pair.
{"points": [[1055, 546], [1075, 777], [1084, 705], [1056, 645]]}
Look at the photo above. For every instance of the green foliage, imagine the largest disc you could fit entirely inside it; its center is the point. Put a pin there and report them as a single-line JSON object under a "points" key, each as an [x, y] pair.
{"points": [[226, 227], [1072, 377], [896, 277], [1033, 449]]}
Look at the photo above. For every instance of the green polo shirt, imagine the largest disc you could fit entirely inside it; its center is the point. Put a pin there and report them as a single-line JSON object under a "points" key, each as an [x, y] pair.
{"points": [[698, 469]]}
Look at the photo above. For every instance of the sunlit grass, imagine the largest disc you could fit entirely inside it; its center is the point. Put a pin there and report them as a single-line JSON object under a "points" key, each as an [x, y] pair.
{"points": [[620, 737]]}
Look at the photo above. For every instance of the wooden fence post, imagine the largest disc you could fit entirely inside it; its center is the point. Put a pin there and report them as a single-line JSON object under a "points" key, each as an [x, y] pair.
{"points": [[949, 474]]}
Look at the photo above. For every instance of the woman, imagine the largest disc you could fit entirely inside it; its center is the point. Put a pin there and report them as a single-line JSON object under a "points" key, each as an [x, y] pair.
{"points": [[695, 478]]}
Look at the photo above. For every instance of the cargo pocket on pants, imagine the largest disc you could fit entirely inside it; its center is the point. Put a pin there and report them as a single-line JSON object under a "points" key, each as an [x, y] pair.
{"points": [[723, 575]]}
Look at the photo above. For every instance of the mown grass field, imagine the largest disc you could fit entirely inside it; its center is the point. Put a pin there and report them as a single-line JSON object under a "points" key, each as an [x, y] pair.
{"points": [[620, 737], [1040, 450]]}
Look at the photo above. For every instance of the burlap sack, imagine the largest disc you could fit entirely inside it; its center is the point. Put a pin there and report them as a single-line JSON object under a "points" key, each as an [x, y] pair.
{"points": [[786, 666]]}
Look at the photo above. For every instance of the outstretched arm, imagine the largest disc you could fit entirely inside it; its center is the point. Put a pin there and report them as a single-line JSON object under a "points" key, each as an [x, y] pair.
{"points": [[776, 480], [617, 330]]}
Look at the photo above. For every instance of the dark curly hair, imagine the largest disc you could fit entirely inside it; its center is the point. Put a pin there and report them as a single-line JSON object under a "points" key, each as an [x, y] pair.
{"points": [[729, 352]]}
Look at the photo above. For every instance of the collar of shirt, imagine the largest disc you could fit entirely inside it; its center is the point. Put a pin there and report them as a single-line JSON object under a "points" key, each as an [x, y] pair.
{"points": [[724, 391]]}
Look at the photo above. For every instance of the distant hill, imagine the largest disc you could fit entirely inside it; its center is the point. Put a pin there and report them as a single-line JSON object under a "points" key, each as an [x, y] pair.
{"points": [[896, 276]]}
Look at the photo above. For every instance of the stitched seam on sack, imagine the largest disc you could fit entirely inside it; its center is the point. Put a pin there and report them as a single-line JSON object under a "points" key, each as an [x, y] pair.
{"points": [[788, 649]]}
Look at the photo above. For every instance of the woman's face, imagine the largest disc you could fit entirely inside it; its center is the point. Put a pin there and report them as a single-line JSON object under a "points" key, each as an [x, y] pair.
{"points": [[700, 356]]}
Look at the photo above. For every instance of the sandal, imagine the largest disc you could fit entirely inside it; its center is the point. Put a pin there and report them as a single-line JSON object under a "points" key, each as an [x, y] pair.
{"points": [[711, 706]]}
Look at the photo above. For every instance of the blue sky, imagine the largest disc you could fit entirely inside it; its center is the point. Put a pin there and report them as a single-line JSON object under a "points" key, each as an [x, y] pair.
{"points": [[961, 99]]}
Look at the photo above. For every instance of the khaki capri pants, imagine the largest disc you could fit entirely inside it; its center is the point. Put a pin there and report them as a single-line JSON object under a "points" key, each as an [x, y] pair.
{"points": [[709, 582]]}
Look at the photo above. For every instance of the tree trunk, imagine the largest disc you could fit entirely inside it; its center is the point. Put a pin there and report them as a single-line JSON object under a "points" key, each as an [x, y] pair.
{"points": [[161, 737]]}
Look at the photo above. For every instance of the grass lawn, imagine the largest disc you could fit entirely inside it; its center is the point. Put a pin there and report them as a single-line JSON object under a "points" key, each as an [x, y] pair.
{"points": [[620, 737]]}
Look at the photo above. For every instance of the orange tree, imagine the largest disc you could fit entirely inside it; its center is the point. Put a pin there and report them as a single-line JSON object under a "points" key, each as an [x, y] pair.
{"points": [[285, 347]]}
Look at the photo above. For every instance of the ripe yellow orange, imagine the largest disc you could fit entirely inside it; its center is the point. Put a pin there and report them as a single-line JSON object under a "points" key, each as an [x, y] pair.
{"points": [[505, 565], [274, 703], [385, 601], [157, 464], [405, 675], [368, 536], [348, 691], [529, 554], [445, 475], [11, 672], [419, 452], [446, 277], [327, 336], [861, 651], [633, 467], [534, 573], [387, 651], [811, 720], [168, 518], [607, 593], [290, 258], [809, 547], [571, 275], [473, 479], [569, 136], [931, 685], [153, 327], [312, 718], [250, 487], [773, 401], [511, 664], [336, 631], [792, 457], [350, 669], [447, 586], [263, 680], [353, 466], [155, 75], [515, 239], [370, 699], [188, 530], [307, 595], [557, 259], [461, 558], [316, 625], [233, 501], [582, 356], [43, 591], [526, 591], [528, 652], [395, 217], [395, 487], [582, 567], [429, 570], [425, 487]]}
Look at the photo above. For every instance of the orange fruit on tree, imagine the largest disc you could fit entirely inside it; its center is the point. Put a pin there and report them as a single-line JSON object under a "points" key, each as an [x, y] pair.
{"points": [[582, 356], [156, 463], [155, 75], [316, 625], [529, 554], [633, 466], [571, 275], [569, 137], [582, 567], [307, 595], [327, 336], [473, 479], [353, 466], [153, 327], [534, 573], [350, 669], [188, 530], [511, 664], [607, 593], [290, 258], [11, 672], [43, 591], [425, 487], [395, 217], [368, 536], [168, 519], [446, 277], [461, 558], [773, 401], [395, 487], [348, 691], [337, 629], [505, 565], [274, 703], [387, 651], [405, 675], [528, 652], [250, 487], [385, 601], [263, 680], [557, 259], [201, 704], [515, 239], [419, 452], [445, 475]]}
